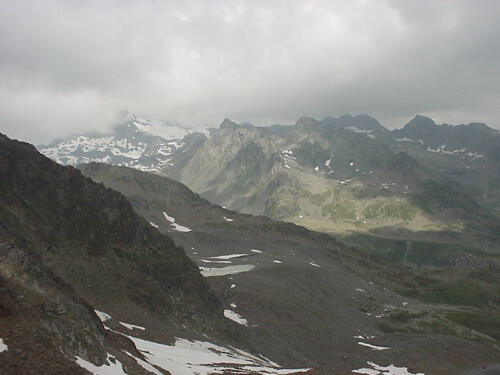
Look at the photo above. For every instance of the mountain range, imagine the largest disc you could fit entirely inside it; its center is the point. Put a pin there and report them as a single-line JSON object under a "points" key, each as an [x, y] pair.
{"points": [[422, 194]]}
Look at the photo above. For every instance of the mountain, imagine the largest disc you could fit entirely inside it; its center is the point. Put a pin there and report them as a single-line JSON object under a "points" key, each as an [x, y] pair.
{"points": [[346, 176], [307, 300], [137, 143], [398, 193], [89, 286], [466, 154]]}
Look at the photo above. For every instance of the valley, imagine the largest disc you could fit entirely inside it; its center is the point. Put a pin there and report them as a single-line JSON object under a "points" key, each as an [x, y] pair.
{"points": [[284, 284]]}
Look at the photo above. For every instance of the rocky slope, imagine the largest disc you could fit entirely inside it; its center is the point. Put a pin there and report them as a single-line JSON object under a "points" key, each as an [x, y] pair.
{"points": [[76, 263], [303, 297], [467, 154]]}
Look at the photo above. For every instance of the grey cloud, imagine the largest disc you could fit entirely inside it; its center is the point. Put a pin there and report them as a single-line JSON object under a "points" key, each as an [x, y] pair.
{"points": [[70, 66]]}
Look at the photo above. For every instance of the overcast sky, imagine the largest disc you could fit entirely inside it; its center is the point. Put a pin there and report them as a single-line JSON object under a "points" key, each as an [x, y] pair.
{"points": [[68, 66]]}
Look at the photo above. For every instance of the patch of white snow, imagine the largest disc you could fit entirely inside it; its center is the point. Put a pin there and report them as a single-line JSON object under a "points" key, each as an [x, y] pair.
{"points": [[230, 314], [145, 365], [229, 270], [169, 218], [203, 358], [174, 225], [131, 326], [230, 256], [180, 228], [102, 315], [111, 368], [3, 346], [373, 347], [384, 370]]}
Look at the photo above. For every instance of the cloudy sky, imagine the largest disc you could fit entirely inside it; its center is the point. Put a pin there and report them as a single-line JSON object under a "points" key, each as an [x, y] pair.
{"points": [[73, 65]]}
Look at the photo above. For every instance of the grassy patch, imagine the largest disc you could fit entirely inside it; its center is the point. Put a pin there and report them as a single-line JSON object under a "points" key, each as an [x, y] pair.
{"points": [[484, 322], [462, 292], [373, 210], [391, 210], [341, 210], [405, 316], [388, 327]]}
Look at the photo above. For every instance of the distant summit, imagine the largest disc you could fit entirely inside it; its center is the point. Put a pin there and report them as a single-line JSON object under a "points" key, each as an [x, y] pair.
{"points": [[137, 142]]}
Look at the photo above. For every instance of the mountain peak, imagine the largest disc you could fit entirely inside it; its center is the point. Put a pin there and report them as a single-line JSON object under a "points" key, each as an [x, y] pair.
{"points": [[367, 122], [306, 122], [227, 123], [420, 122]]}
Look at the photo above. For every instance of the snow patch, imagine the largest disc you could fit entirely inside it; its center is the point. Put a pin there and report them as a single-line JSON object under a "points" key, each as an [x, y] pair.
{"points": [[256, 251], [153, 224], [235, 317], [111, 368], [3, 346], [132, 326], [229, 270], [314, 264], [160, 128], [170, 219], [227, 219], [216, 261], [233, 286], [230, 256], [373, 347], [103, 316], [144, 364], [174, 225], [203, 358], [180, 228], [367, 133], [277, 261], [384, 370]]}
